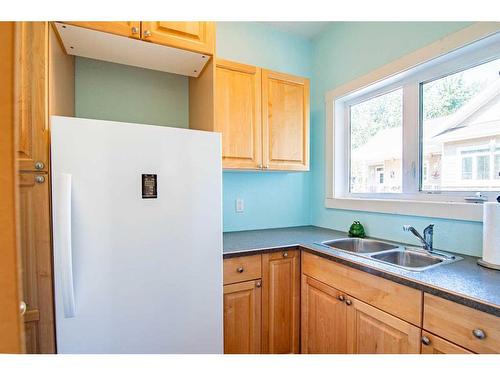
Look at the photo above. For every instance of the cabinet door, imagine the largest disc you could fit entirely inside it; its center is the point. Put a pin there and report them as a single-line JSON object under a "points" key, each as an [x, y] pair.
{"points": [[285, 116], [193, 36], [238, 115], [31, 95], [36, 262], [435, 345], [372, 331], [242, 318], [131, 29], [281, 302], [323, 320]]}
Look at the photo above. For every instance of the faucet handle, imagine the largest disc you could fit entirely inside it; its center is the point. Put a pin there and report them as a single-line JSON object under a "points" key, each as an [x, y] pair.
{"points": [[429, 228], [406, 228]]}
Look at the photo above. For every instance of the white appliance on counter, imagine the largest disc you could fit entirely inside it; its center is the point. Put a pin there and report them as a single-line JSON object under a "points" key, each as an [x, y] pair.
{"points": [[137, 228]]}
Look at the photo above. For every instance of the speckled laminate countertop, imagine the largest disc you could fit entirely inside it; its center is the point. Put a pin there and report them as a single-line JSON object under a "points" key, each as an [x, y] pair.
{"points": [[463, 282]]}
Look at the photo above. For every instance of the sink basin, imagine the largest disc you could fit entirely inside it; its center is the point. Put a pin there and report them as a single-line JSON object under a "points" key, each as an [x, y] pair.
{"points": [[359, 245], [408, 259], [397, 255]]}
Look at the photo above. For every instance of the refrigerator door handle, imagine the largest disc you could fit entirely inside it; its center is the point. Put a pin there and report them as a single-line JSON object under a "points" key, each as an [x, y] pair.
{"points": [[63, 240]]}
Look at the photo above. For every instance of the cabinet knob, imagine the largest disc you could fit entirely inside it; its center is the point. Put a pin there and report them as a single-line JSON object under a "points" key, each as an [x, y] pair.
{"points": [[266, 166], [39, 165], [285, 255], [147, 33], [135, 30], [258, 283], [240, 269], [426, 340], [348, 302], [260, 166], [341, 298], [479, 334], [39, 179], [22, 307]]}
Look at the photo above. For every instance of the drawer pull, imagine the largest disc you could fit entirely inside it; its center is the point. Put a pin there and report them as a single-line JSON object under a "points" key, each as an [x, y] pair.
{"points": [[479, 334], [341, 298], [426, 340], [348, 302], [239, 269]]}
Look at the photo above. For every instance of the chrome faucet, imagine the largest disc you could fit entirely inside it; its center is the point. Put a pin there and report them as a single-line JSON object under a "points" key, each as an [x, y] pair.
{"points": [[426, 239]]}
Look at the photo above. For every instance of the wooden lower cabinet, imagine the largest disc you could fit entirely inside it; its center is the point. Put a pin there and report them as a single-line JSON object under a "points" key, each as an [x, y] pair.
{"points": [[281, 302], [432, 344], [324, 318], [36, 258], [336, 323], [373, 331], [242, 317]]}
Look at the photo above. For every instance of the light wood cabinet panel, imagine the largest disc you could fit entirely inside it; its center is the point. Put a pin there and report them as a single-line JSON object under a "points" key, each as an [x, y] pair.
{"points": [[131, 29], [193, 36], [36, 259], [436, 345], [31, 95], [372, 331], [459, 324], [242, 268], [242, 318], [324, 319], [285, 119], [238, 114], [281, 302], [399, 300]]}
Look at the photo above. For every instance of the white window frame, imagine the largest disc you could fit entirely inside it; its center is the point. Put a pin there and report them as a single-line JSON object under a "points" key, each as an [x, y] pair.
{"points": [[453, 53]]}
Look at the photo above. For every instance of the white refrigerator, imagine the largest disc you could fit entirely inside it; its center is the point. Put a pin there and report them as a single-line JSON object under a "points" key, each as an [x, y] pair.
{"points": [[137, 233]]}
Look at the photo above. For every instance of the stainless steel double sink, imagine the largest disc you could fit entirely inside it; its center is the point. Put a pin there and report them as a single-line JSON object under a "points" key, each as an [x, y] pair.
{"points": [[409, 258]]}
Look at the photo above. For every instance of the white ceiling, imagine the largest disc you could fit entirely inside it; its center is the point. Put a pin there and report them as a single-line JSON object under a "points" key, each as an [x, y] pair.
{"points": [[303, 28]]}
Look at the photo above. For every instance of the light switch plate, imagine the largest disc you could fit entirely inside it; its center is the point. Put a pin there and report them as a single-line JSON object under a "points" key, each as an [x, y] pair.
{"points": [[240, 205]]}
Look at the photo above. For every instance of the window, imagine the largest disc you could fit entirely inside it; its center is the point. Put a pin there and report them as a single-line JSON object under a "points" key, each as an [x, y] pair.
{"points": [[496, 171], [462, 110], [429, 132], [372, 122], [466, 168]]}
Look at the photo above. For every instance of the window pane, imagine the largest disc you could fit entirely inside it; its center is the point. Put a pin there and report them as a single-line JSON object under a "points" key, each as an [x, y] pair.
{"points": [[483, 167], [376, 144], [496, 171], [461, 130], [466, 168]]}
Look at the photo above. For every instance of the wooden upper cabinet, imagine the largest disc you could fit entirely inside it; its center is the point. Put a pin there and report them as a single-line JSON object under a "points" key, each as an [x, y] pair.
{"points": [[193, 36], [372, 331], [281, 302], [285, 117], [323, 319], [36, 259], [432, 344], [238, 114], [242, 317], [31, 95], [131, 29]]}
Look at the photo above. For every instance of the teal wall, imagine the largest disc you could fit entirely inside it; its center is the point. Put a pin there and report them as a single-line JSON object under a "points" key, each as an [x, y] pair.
{"points": [[272, 199], [277, 199], [349, 50], [108, 91]]}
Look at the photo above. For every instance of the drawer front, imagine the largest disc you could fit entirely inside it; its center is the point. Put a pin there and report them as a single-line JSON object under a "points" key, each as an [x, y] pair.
{"points": [[242, 269], [396, 299], [461, 324]]}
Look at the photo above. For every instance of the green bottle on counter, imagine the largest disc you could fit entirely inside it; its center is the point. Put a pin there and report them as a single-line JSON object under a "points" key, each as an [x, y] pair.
{"points": [[357, 230]]}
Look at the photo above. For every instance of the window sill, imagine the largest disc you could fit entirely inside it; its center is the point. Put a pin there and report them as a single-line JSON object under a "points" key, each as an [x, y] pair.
{"points": [[437, 209]]}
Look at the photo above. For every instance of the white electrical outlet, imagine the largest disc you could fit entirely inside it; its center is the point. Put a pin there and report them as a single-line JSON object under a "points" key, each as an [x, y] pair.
{"points": [[240, 205]]}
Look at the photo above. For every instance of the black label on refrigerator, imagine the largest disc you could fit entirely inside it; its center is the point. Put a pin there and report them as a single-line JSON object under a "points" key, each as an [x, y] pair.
{"points": [[149, 186]]}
